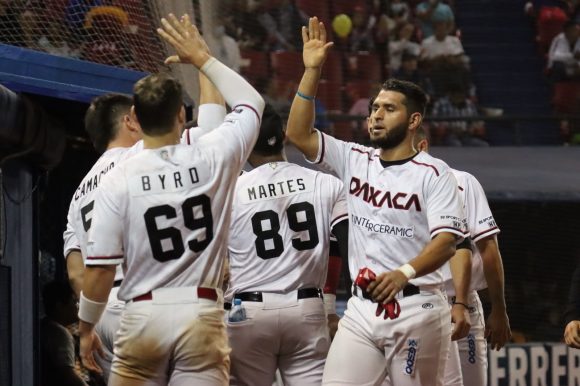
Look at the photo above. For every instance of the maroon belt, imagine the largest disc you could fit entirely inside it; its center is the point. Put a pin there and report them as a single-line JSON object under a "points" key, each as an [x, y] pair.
{"points": [[202, 292]]}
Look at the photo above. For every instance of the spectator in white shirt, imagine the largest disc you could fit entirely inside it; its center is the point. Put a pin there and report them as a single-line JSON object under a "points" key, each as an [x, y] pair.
{"points": [[225, 48], [564, 54]]}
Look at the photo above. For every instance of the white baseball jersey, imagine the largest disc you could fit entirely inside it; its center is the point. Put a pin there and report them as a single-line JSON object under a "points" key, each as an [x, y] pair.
{"points": [[165, 213], [81, 206], [395, 210], [280, 234], [480, 224]]}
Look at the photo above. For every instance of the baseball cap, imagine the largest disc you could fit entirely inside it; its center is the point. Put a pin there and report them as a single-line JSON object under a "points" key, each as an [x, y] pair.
{"points": [[271, 138]]}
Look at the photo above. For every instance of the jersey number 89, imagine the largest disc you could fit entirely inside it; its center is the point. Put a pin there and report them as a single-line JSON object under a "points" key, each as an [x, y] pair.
{"points": [[157, 235], [272, 234]]}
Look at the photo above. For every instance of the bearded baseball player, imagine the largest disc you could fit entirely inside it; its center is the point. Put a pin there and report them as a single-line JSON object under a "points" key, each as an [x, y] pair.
{"points": [[115, 135], [164, 214], [486, 272], [279, 245], [405, 220]]}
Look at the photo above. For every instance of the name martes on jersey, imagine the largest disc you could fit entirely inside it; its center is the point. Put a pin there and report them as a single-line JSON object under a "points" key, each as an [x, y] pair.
{"points": [[93, 182], [276, 189]]}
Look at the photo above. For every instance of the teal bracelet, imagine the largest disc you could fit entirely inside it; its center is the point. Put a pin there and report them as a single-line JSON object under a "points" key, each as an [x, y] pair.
{"points": [[308, 98]]}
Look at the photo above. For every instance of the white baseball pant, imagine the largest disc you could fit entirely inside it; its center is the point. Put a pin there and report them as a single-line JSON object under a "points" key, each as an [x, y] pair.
{"points": [[175, 337], [411, 350], [279, 332], [473, 348], [107, 329]]}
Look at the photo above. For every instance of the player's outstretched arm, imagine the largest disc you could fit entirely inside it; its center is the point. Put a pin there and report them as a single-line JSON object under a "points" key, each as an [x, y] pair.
{"points": [[440, 249], [301, 119], [460, 265], [191, 48], [497, 326]]}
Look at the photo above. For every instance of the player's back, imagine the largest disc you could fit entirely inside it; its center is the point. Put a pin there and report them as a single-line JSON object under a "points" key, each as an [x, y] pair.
{"points": [[280, 229], [170, 201]]}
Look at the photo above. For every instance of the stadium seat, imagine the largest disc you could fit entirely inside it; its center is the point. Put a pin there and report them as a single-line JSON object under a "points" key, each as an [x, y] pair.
{"points": [[256, 65], [287, 65], [566, 97], [332, 69], [330, 94], [363, 66]]}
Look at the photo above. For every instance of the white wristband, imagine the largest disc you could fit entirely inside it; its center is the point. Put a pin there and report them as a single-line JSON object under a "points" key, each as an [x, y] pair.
{"points": [[89, 310], [408, 271], [329, 303]]}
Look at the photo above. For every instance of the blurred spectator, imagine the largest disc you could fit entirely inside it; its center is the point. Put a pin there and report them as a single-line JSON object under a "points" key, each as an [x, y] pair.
{"points": [[57, 343], [402, 43], [30, 26], [360, 106], [361, 37], [10, 31], [277, 93], [280, 19], [75, 18], [53, 40], [434, 11], [457, 133], [107, 43], [249, 32], [225, 48], [444, 57], [564, 54], [409, 70]]}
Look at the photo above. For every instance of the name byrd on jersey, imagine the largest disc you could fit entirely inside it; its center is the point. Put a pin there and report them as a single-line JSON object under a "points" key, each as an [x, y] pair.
{"points": [[275, 190], [168, 182]]}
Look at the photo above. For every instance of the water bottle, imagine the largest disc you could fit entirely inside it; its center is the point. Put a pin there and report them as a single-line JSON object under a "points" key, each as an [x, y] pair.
{"points": [[237, 313]]}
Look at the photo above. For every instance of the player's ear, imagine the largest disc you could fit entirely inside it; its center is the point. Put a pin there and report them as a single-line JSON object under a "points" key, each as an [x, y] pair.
{"points": [[415, 121], [181, 116], [133, 114]]}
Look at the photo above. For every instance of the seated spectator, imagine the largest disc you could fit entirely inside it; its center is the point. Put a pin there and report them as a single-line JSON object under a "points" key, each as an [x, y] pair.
{"points": [[434, 11], [457, 132], [403, 43], [445, 59], [280, 19], [248, 31], [409, 70], [361, 37], [225, 48], [75, 17], [564, 54], [360, 107], [53, 40], [107, 44], [56, 342]]}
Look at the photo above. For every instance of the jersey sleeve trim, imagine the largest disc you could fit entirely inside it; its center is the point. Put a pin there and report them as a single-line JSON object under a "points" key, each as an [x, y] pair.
{"points": [[251, 108], [71, 249], [426, 165], [338, 219], [104, 260], [455, 231], [488, 232]]}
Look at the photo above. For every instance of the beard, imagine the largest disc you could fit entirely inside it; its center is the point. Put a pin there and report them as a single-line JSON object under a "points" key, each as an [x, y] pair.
{"points": [[392, 138]]}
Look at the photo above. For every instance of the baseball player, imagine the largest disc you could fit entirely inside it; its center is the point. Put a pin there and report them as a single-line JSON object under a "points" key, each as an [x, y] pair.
{"points": [[405, 220], [164, 214], [486, 272], [279, 244], [116, 135]]}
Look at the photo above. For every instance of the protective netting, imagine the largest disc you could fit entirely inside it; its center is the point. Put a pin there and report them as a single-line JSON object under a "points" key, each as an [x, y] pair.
{"points": [[113, 32]]}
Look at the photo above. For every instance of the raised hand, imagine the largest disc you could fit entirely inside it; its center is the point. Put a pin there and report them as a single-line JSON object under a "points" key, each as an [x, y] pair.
{"points": [[185, 39], [316, 47]]}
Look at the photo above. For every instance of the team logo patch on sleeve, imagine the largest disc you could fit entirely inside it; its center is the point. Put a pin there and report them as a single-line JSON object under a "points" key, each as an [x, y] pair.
{"points": [[412, 348]]}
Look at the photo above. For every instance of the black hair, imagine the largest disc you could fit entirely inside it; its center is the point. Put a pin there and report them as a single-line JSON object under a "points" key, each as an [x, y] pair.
{"points": [[415, 97], [103, 118], [271, 138]]}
